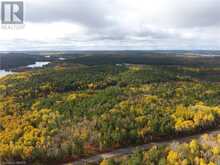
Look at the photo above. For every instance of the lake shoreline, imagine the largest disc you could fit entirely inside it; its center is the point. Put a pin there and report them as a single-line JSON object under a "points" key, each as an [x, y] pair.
{"points": [[37, 64]]}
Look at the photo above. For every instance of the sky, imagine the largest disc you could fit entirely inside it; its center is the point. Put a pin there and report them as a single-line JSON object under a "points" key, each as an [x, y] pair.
{"points": [[116, 25]]}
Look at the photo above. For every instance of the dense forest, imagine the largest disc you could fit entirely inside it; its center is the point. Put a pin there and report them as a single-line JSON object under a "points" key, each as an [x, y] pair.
{"points": [[72, 109]]}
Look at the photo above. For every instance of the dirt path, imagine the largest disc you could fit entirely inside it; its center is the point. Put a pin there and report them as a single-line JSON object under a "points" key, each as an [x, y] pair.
{"points": [[129, 150]]}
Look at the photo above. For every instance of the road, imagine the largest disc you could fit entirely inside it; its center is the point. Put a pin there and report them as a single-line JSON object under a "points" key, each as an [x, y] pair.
{"points": [[129, 150]]}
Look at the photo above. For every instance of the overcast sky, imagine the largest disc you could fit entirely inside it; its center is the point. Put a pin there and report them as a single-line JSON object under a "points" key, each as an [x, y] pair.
{"points": [[116, 25]]}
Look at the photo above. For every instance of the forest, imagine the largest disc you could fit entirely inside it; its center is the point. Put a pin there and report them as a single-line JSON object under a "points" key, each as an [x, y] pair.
{"points": [[72, 109]]}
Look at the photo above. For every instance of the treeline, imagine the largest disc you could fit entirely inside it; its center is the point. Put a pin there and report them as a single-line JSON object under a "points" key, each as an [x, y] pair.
{"points": [[149, 59]]}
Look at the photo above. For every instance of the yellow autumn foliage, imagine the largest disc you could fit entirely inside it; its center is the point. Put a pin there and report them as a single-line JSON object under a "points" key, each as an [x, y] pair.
{"points": [[173, 157], [189, 118], [24, 135]]}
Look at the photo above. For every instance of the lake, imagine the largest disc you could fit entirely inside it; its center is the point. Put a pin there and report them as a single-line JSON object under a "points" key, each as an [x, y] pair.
{"points": [[61, 58], [38, 64]]}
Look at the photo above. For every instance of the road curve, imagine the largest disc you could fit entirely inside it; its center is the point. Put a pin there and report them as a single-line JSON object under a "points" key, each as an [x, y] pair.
{"points": [[129, 150]]}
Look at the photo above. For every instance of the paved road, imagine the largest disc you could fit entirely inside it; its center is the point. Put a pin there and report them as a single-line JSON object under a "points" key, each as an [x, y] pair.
{"points": [[129, 150]]}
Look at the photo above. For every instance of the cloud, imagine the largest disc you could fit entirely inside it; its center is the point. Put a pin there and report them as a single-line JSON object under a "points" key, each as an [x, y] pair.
{"points": [[197, 13], [116, 24], [84, 12]]}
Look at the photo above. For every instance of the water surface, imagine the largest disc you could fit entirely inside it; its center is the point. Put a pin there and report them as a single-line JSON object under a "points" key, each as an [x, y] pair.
{"points": [[38, 64]]}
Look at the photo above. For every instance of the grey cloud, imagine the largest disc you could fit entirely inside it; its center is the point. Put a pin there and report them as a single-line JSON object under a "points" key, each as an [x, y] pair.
{"points": [[106, 29], [97, 13], [88, 13], [196, 13]]}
